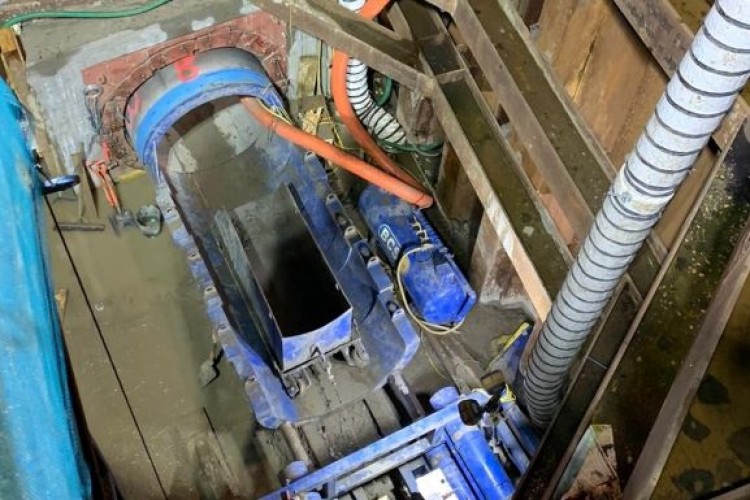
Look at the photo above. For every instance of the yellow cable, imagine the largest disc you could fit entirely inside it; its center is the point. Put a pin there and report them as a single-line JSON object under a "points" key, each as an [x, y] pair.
{"points": [[509, 396], [429, 358], [280, 114], [433, 328], [522, 328]]}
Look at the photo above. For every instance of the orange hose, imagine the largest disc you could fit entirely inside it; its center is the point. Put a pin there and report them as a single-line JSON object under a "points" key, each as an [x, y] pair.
{"points": [[346, 161], [341, 99]]}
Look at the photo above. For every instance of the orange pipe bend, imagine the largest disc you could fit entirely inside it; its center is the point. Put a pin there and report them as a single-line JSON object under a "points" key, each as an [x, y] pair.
{"points": [[341, 99], [346, 161]]}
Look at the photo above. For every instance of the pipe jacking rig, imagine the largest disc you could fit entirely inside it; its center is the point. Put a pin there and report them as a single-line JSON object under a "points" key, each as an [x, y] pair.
{"points": [[298, 298]]}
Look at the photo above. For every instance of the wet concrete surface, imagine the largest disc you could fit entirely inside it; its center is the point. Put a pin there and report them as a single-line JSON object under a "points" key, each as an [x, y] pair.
{"points": [[713, 450], [637, 390], [180, 439]]}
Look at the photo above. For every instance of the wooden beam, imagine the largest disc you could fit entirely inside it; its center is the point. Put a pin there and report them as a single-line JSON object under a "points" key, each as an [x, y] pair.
{"points": [[576, 169], [661, 29], [380, 48], [510, 203], [520, 113]]}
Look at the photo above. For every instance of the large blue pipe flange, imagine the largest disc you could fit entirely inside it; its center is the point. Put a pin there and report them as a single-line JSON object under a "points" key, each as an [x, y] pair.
{"points": [[194, 80]]}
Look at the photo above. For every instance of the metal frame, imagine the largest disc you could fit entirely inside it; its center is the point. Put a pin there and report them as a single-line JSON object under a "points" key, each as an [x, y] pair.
{"points": [[389, 452]]}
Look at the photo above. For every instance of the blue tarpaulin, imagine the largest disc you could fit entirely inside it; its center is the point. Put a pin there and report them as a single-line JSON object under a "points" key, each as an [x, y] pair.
{"points": [[39, 449]]}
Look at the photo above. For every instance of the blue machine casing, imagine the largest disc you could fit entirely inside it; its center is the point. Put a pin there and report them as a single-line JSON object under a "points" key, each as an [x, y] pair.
{"points": [[438, 290], [40, 455], [462, 453]]}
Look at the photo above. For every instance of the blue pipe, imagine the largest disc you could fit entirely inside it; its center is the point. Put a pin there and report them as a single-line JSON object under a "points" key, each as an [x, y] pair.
{"points": [[40, 455], [515, 450], [474, 452]]}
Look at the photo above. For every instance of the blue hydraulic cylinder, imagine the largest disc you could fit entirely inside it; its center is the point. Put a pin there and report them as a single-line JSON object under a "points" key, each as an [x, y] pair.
{"points": [[475, 455], [440, 457], [39, 450], [438, 290]]}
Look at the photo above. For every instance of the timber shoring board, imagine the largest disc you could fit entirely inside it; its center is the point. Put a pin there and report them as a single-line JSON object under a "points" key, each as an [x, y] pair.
{"points": [[539, 144], [660, 27], [538, 108], [615, 83]]}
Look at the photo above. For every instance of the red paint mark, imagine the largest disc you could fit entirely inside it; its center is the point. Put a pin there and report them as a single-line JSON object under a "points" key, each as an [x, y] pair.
{"points": [[134, 106], [186, 69]]}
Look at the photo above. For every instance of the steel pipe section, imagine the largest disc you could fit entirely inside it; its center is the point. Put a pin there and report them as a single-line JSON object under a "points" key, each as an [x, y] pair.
{"points": [[700, 93], [181, 87]]}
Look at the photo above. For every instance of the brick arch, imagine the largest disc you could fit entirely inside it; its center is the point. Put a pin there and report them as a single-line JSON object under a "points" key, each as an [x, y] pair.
{"points": [[259, 33]]}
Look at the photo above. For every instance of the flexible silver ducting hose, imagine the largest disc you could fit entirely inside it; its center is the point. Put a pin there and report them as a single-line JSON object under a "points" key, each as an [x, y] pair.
{"points": [[698, 96], [379, 122]]}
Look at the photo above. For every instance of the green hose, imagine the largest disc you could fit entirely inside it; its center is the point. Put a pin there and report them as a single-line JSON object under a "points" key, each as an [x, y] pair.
{"points": [[386, 92], [422, 149], [84, 14]]}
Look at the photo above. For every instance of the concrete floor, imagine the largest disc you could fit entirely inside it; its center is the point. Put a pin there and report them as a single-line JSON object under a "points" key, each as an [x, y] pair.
{"points": [[137, 373], [158, 430]]}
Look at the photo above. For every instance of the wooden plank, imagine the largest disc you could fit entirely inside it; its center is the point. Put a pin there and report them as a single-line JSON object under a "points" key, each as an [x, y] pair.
{"points": [[615, 84], [609, 82], [454, 190], [491, 272], [553, 22], [576, 43], [661, 29], [524, 84], [520, 114], [648, 91]]}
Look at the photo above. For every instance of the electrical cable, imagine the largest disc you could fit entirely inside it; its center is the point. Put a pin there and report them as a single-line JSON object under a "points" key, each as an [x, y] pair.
{"points": [[433, 328], [107, 352], [421, 149], [84, 14], [426, 350]]}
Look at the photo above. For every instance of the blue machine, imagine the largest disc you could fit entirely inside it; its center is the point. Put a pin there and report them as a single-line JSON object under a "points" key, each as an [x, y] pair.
{"points": [[438, 290], [314, 306], [40, 456], [437, 449]]}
